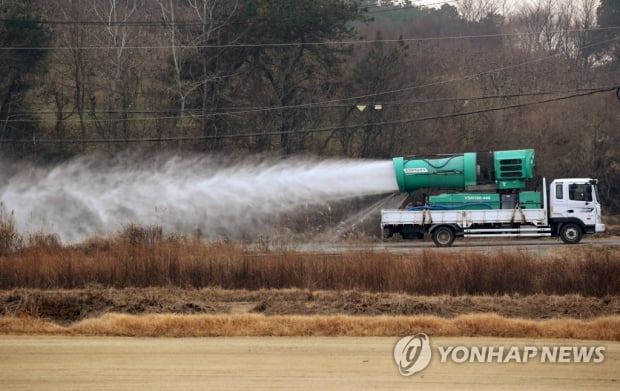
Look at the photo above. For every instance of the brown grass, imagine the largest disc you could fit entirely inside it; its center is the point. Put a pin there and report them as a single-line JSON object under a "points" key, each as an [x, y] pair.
{"points": [[167, 325], [10, 239], [71, 305], [144, 259]]}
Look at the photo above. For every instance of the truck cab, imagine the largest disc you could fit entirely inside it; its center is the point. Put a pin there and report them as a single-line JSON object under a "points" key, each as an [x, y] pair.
{"points": [[574, 208]]}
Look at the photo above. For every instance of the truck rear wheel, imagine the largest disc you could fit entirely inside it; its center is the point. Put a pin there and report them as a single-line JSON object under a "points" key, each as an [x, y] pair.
{"points": [[571, 233], [443, 236]]}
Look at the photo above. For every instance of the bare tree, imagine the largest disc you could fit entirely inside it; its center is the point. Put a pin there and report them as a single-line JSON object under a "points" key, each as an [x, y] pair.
{"points": [[168, 13], [558, 27], [196, 54], [476, 10], [118, 62], [586, 21], [214, 16], [69, 86]]}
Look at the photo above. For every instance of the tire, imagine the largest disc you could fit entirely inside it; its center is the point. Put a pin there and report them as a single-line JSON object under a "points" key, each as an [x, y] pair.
{"points": [[571, 233], [443, 236]]}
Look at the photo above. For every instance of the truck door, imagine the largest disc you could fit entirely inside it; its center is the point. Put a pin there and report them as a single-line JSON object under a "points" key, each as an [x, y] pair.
{"points": [[575, 200]]}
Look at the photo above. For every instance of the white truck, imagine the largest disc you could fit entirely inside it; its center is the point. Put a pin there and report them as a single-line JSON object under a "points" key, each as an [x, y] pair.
{"points": [[569, 208]]}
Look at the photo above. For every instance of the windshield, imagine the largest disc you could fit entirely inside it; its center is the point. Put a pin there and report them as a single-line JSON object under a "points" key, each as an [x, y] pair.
{"points": [[596, 193]]}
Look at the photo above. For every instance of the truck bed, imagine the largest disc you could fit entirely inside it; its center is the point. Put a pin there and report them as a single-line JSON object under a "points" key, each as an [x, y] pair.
{"points": [[463, 218]]}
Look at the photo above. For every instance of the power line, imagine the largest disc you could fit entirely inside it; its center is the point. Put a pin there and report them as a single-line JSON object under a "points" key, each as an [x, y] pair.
{"points": [[415, 87], [434, 84], [245, 110], [297, 44], [302, 131], [466, 77], [411, 88]]}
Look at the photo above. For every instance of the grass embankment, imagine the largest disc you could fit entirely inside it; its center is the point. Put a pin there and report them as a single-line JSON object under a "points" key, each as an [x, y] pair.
{"points": [[66, 306], [171, 325]]}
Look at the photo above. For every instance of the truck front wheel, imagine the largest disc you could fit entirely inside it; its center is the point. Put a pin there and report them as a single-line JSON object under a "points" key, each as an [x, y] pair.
{"points": [[571, 233], [443, 236]]}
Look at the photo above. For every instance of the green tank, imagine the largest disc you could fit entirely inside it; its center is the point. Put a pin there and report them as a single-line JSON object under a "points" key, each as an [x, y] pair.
{"points": [[465, 201], [454, 172], [530, 200], [504, 169]]}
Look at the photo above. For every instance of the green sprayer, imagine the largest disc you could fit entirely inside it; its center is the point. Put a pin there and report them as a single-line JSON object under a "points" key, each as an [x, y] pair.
{"points": [[487, 196]]}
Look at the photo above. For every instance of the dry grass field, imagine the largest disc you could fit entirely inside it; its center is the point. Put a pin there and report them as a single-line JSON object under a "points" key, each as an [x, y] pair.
{"points": [[142, 283], [110, 314], [141, 259]]}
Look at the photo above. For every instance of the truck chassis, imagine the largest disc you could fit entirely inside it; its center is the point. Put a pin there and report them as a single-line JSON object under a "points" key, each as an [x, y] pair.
{"points": [[445, 225]]}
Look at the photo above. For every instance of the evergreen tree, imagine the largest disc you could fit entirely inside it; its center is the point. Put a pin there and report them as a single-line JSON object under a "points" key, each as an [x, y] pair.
{"points": [[297, 71], [22, 36], [609, 16]]}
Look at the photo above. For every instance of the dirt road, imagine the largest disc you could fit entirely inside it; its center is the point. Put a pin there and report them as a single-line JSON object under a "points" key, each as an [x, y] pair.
{"points": [[533, 247], [65, 363]]}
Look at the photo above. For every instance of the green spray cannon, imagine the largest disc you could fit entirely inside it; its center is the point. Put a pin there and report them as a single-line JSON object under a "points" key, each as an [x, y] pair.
{"points": [[454, 172], [500, 170]]}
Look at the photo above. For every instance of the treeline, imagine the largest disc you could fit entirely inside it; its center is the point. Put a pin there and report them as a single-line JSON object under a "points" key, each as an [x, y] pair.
{"points": [[328, 77]]}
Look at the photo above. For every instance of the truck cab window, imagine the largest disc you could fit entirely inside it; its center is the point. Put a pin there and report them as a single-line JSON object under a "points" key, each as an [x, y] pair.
{"points": [[559, 193], [580, 192]]}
